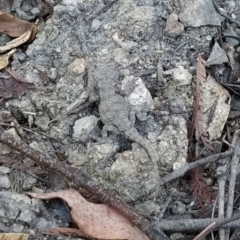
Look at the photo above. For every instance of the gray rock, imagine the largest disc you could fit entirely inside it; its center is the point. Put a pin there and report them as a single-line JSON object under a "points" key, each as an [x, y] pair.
{"points": [[20, 208], [217, 56], [5, 182], [83, 127], [196, 13], [176, 236], [95, 25], [173, 27], [28, 183], [5, 170], [35, 11], [178, 208]]}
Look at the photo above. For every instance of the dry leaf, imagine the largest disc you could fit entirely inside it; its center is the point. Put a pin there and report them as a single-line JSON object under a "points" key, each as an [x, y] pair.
{"points": [[13, 26], [93, 220], [25, 37], [13, 87], [4, 59], [13, 236]]}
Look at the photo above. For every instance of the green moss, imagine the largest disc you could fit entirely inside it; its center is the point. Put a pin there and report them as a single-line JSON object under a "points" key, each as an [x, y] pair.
{"points": [[111, 176], [91, 167]]}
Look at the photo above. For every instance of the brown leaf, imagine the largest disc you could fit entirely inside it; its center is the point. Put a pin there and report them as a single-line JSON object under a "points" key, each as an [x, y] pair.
{"points": [[4, 59], [13, 236], [13, 87], [95, 220], [13, 26], [25, 37]]}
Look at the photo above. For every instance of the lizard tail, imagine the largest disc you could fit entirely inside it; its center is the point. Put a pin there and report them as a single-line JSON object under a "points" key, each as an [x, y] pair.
{"points": [[152, 153]]}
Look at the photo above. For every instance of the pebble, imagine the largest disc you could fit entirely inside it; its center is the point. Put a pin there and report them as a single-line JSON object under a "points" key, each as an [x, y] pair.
{"points": [[77, 67], [84, 126], [174, 28], [95, 25], [5, 170], [5, 182]]}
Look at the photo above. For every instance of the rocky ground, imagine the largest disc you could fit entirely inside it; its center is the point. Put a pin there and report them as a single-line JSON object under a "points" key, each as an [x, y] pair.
{"points": [[154, 46]]}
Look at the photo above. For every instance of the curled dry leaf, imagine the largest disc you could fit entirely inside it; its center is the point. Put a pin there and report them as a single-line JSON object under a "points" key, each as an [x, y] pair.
{"points": [[13, 26], [13, 236], [25, 37], [4, 59], [93, 220]]}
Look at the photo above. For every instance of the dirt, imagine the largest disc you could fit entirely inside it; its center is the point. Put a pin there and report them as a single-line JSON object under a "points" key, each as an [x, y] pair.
{"points": [[61, 118]]}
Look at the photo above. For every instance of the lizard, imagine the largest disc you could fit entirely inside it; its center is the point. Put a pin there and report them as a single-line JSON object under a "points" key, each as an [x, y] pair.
{"points": [[115, 111]]}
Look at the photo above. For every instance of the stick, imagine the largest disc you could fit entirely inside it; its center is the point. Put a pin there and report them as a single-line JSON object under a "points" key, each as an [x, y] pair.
{"points": [[181, 171], [83, 181]]}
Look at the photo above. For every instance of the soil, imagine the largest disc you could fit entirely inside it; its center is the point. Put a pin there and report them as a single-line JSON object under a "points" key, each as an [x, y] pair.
{"points": [[60, 118]]}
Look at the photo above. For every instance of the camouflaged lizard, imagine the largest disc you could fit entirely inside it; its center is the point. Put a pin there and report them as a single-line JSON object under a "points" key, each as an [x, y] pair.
{"points": [[115, 112]]}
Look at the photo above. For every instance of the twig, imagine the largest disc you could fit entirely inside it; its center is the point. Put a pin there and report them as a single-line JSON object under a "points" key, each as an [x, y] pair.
{"points": [[83, 181], [104, 8], [186, 225], [221, 223], [232, 181], [199, 236], [181, 171], [43, 134], [221, 196], [224, 14]]}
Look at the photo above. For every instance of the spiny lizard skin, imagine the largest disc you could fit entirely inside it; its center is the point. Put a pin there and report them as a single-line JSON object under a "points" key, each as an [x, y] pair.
{"points": [[115, 110]]}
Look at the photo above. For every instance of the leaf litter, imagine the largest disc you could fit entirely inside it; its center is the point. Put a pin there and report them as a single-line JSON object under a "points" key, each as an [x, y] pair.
{"points": [[97, 221], [13, 87]]}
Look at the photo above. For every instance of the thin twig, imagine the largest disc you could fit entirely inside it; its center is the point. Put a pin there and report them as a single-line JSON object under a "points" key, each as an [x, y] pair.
{"points": [[186, 225], [232, 182], [199, 236], [223, 14], [104, 8], [79, 177], [181, 171]]}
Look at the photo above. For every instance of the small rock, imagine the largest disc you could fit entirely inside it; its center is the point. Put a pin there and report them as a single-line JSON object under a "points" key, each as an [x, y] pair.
{"points": [[178, 208], [76, 158], [77, 67], [127, 45], [35, 11], [196, 13], [17, 228], [28, 183], [69, 2], [98, 152], [5, 182], [5, 149], [176, 236], [182, 76], [53, 73], [147, 208], [217, 56], [138, 96], [121, 57], [173, 27], [5, 170], [95, 25], [83, 127]]}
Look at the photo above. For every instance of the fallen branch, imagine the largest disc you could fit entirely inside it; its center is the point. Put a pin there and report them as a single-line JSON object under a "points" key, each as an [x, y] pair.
{"points": [[188, 225], [181, 171], [83, 181]]}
